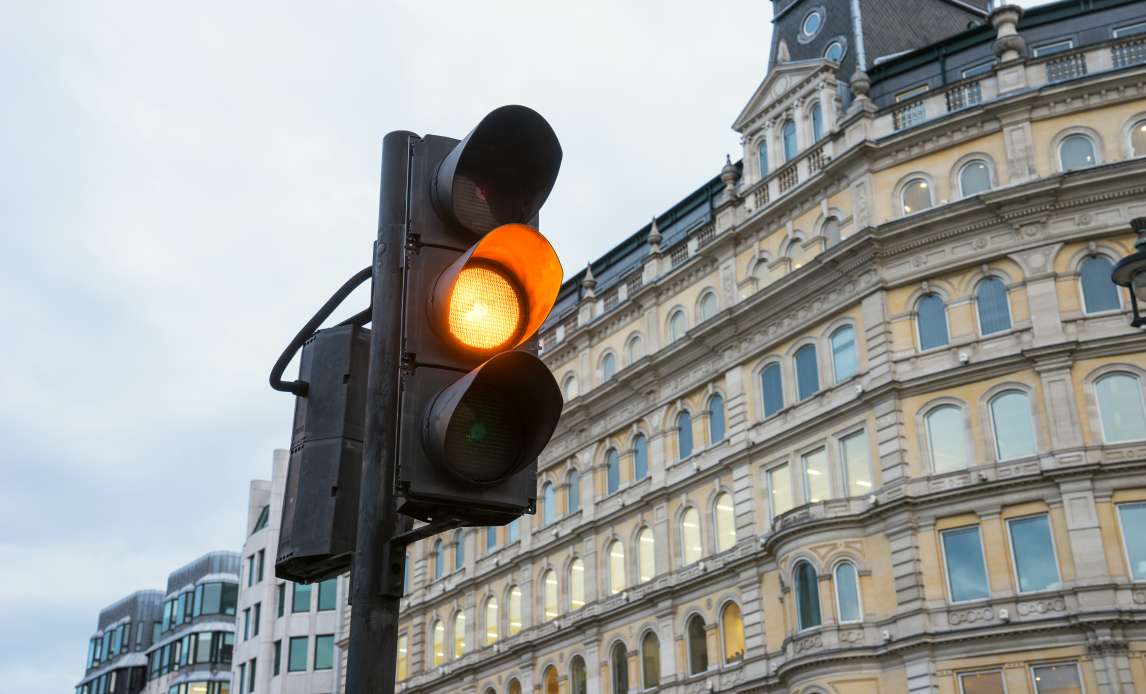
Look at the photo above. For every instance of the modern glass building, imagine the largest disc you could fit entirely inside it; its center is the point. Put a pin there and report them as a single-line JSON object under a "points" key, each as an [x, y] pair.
{"points": [[117, 652]]}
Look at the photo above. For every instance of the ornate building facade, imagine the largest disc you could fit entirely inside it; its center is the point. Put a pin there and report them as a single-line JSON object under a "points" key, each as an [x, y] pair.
{"points": [[863, 413]]}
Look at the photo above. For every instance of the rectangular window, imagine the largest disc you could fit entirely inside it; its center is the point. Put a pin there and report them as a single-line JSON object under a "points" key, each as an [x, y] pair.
{"points": [[198, 609], [242, 675], [296, 654], [328, 594], [966, 570], [979, 69], [780, 489], [212, 598], [911, 93], [1036, 567], [817, 482], [857, 467], [278, 658], [230, 598], [251, 683], [1132, 516], [250, 570], [1130, 30], [300, 602], [1060, 678], [246, 624], [324, 651], [982, 683], [402, 658], [259, 565], [256, 616], [1053, 47]]}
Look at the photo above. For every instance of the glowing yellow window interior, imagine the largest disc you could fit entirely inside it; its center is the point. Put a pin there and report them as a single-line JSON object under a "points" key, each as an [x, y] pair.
{"points": [[485, 309]]}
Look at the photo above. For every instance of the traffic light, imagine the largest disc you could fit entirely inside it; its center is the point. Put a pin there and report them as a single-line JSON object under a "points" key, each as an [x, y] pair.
{"points": [[477, 405]]}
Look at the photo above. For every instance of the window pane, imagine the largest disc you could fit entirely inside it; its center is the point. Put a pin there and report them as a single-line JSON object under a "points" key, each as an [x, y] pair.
{"points": [[646, 555], [514, 611], [573, 492], [612, 470], [807, 372], [991, 302], [817, 484], [459, 550], [296, 657], [1061, 678], [966, 573], [1035, 563], [548, 504], [683, 435], [616, 567], [1014, 432], [578, 681], [725, 522], [512, 531], [732, 630], [948, 439], [640, 457], [1138, 139], [549, 583], [974, 178], [789, 140], [677, 326], [857, 467], [1077, 152], [323, 652], [1099, 293], [403, 657], [817, 123], [834, 52], [763, 158], [931, 322], [690, 536], [707, 306], [608, 366], [807, 596], [844, 353], [619, 664], [439, 559], [773, 389], [697, 646], [650, 661], [328, 594], [459, 634], [576, 585], [439, 644], [300, 601], [490, 537], [1132, 518], [916, 196], [847, 592], [490, 621], [831, 231], [1120, 408], [983, 683], [715, 418], [634, 349], [780, 488]]}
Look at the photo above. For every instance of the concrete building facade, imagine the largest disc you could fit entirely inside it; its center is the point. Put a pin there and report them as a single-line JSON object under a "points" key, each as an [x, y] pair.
{"points": [[863, 413]]}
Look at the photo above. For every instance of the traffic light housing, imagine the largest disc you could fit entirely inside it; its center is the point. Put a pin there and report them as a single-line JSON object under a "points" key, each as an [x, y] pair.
{"points": [[477, 405]]}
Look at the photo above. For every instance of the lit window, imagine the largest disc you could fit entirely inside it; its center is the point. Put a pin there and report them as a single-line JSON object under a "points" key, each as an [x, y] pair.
{"points": [[762, 153], [690, 548], [807, 372], [831, 231], [732, 633], [991, 304], [817, 483], [608, 366], [1060, 678], [616, 567], [646, 555], [931, 322], [1138, 139], [812, 23], [817, 122], [439, 559], [1132, 517], [683, 435], [857, 465], [619, 665], [514, 687], [640, 457], [459, 634], [983, 683], [772, 389], [847, 592], [916, 196], [572, 492], [780, 489], [807, 596], [835, 51], [947, 438], [697, 646], [612, 471], [966, 569], [974, 178], [715, 418], [490, 621], [1011, 419], [548, 504], [844, 353], [576, 585], [677, 326], [403, 656], [550, 679], [1036, 567], [790, 147], [514, 611], [1099, 293], [1120, 408], [707, 306], [296, 654], [549, 595], [1076, 152], [650, 660], [796, 253], [439, 643], [579, 683], [725, 521]]}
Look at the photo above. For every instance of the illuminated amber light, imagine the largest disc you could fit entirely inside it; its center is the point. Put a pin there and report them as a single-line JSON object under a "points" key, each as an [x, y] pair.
{"points": [[485, 309]]}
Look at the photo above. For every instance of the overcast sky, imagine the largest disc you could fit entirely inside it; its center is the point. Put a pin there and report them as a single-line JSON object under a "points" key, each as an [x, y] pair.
{"points": [[183, 184]]}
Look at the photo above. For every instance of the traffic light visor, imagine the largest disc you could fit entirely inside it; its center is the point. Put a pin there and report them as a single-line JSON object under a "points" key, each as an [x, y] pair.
{"points": [[496, 295]]}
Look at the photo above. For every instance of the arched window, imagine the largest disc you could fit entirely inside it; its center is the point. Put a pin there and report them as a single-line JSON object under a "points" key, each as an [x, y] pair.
{"points": [[796, 252], [715, 418], [931, 322], [490, 538], [831, 231], [548, 504], [947, 438], [459, 549], [634, 349], [724, 516], [807, 372], [576, 584], [608, 366], [835, 51], [916, 196], [697, 645], [616, 567], [650, 660], [992, 307], [439, 643], [1138, 139], [572, 492], [732, 633], [439, 559], [1076, 152], [549, 595], [789, 133], [690, 549], [847, 593], [1011, 420], [762, 154], [578, 682], [569, 387], [760, 273], [459, 634], [974, 178], [646, 555], [677, 326], [772, 389], [619, 665], [1120, 408], [707, 306], [807, 596], [490, 621], [683, 435], [817, 122], [612, 471], [514, 612], [550, 678], [1099, 293], [514, 687], [844, 360], [640, 457]]}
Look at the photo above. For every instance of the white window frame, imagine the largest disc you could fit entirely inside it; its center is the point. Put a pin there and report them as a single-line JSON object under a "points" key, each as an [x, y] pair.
{"points": [[771, 495], [1138, 28], [903, 192], [963, 167], [1002, 678], [840, 438], [819, 448], [915, 323], [995, 429], [912, 92], [1093, 148], [947, 571], [975, 301], [1015, 561], [1122, 534], [1035, 666], [859, 593], [1082, 294], [1098, 403], [1040, 51], [971, 70], [723, 636]]}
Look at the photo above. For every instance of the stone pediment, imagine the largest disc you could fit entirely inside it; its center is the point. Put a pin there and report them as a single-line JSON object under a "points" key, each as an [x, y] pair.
{"points": [[779, 82]]}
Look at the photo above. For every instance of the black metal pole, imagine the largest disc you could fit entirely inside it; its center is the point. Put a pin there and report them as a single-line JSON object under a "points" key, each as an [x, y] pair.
{"points": [[374, 601]]}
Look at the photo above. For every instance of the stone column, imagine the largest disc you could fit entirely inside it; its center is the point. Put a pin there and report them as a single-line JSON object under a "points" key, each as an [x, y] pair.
{"points": [[735, 407], [590, 561], [1061, 408], [752, 613], [744, 498], [593, 673], [1086, 548], [662, 538], [1042, 293], [666, 631]]}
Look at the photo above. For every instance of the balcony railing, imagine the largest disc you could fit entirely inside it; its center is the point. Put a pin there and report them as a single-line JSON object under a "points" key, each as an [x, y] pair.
{"points": [[633, 283], [817, 160], [788, 178], [1131, 52], [964, 96], [910, 115], [678, 254], [1066, 68], [760, 197], [611, 300], [706, 236]]}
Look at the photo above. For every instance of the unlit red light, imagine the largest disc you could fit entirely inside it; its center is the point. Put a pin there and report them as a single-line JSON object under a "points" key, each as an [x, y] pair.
{"points": [[485, 309]]}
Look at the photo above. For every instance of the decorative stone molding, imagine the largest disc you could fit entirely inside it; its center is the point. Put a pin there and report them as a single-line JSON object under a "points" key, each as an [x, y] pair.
{"points": [[970, 616]]}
